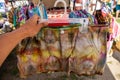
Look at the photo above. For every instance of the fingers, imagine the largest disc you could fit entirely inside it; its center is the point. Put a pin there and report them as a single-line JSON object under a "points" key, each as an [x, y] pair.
{"points": [[43, 24], [40, 23], [36, 20], [36, 16]]}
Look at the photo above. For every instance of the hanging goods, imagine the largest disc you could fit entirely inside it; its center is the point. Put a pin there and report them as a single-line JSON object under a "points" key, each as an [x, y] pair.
{"points": [[64, 48], [50, 49], [102, 15], [59, 15], [83, 14], [100, 18], [68, 45], [28, 57], [89, 54]]}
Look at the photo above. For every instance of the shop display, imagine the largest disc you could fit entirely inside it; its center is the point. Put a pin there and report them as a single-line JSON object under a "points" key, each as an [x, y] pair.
{"points": [[83, 14], [66, 44], [62, 47], [19, 15], [65, 49]]}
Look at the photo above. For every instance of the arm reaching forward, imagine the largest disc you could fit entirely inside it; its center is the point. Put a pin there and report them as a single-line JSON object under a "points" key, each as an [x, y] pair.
{"points": [[9, 40]]}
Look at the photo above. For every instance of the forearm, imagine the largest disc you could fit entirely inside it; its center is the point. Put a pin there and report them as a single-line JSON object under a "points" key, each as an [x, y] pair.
{"points": [[8, 41]]}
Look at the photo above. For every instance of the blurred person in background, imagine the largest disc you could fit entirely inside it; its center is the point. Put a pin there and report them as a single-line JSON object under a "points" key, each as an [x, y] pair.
{"points": [[95, 5], [117, 8]]}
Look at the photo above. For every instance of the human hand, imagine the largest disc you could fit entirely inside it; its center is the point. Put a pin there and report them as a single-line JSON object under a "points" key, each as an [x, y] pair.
{"points": [[31, 27]]}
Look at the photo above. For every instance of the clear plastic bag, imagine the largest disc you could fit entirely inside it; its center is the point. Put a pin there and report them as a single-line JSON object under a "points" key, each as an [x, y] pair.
{"points": [[29, 57], [64, 48], [50, 48], [89, 55], [67, 40]]}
